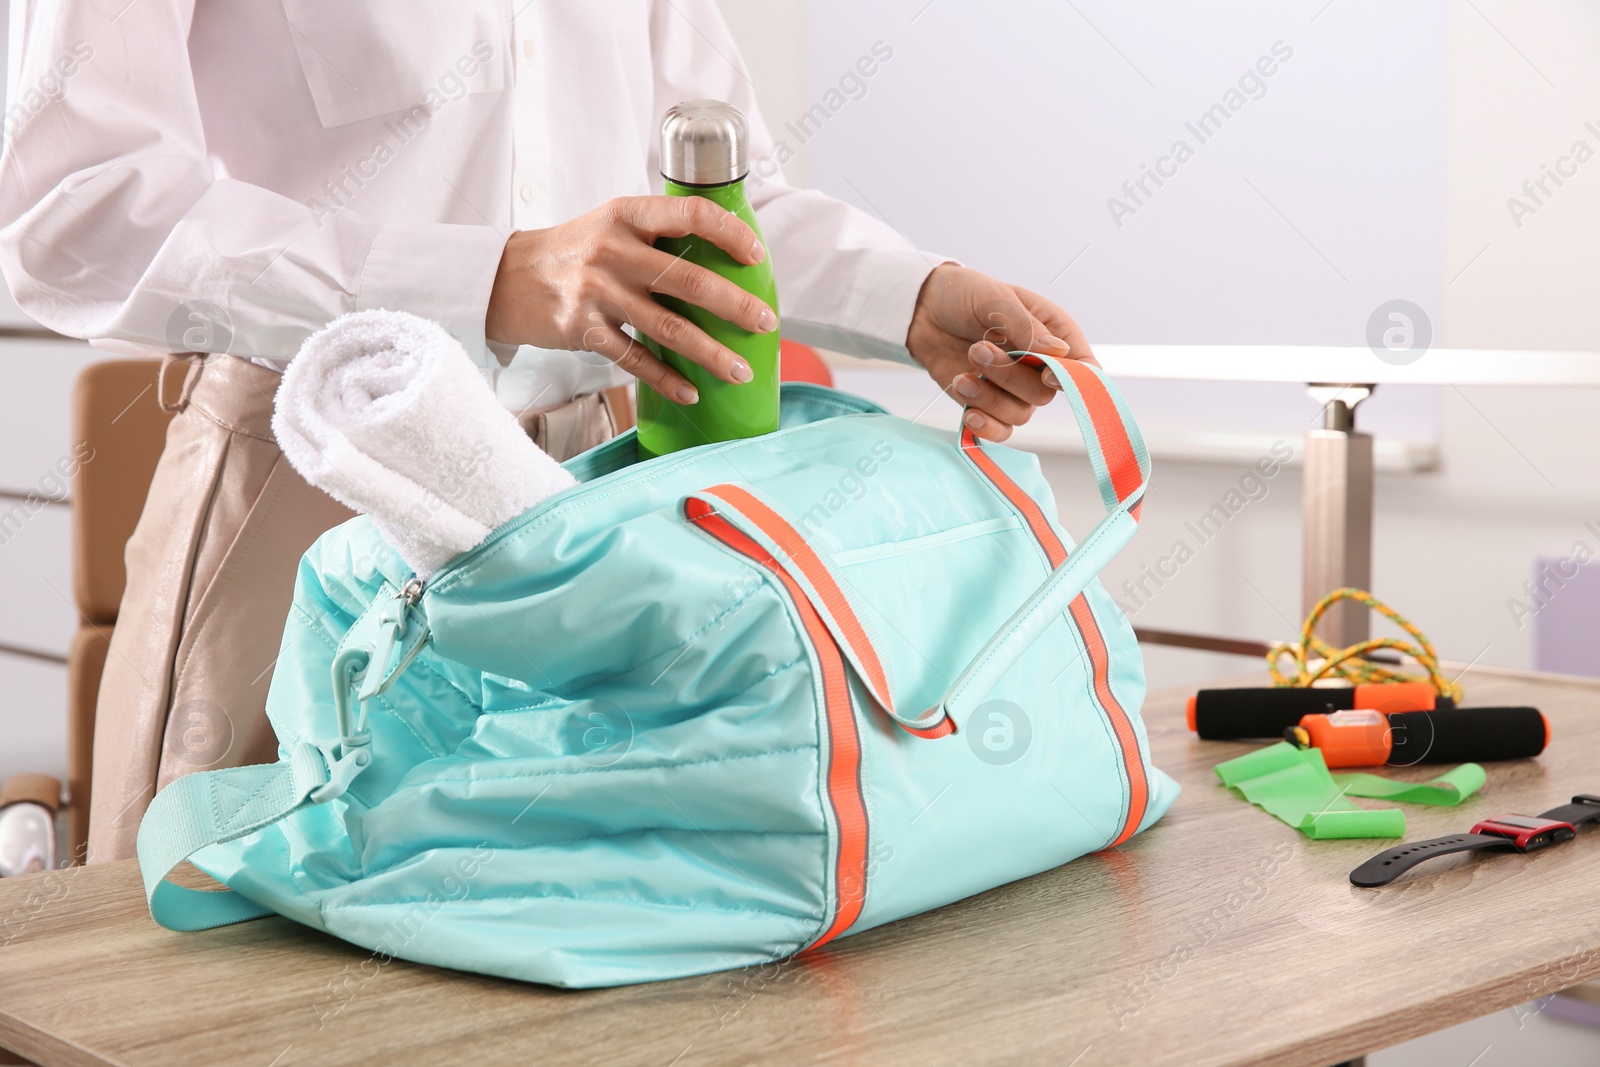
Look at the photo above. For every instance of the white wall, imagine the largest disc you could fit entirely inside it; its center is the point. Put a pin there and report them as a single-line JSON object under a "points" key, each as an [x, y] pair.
{"points": [[1524, 83], [1003, 132], [772, 40]]}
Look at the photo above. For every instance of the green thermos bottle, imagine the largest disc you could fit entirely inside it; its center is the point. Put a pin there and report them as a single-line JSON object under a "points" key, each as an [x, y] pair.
{"points": [[705, 151]]}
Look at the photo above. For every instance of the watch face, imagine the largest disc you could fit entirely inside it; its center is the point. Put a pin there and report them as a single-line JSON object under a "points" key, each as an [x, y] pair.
{"points": [[1521, 822]]}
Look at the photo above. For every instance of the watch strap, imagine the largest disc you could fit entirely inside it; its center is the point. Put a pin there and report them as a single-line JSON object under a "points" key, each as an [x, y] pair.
{"points": [[1385, 867], [1584, 808]]}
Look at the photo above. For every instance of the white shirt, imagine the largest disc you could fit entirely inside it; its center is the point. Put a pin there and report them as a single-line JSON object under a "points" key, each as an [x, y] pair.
{"points": [[229, 175]]}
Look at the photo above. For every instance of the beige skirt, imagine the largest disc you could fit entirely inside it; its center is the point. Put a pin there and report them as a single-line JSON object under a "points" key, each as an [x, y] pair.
{"points": [[211, 569]]}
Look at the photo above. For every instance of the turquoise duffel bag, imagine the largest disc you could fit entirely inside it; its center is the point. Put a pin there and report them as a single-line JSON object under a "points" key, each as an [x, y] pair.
{"points": [[696, 713]]}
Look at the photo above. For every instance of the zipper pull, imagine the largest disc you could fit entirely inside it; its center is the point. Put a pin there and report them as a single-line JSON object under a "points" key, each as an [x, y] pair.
{"points": [[393, 616], [393, 624]]}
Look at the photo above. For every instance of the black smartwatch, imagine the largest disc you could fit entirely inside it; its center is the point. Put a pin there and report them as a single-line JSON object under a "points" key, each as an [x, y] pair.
{"points": [[1519, 833]]}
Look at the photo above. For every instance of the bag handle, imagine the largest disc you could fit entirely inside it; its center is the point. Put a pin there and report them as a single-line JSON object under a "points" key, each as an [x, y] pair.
{"points": [[1121, 468], [778, 540], [1116, 448]]}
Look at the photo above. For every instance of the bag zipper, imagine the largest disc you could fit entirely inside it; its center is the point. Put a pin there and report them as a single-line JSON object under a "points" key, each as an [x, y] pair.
{"points": [[577, 493]]}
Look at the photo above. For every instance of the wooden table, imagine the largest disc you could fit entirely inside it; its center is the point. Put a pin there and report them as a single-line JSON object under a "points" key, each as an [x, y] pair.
{"points": [[1219, 937]]}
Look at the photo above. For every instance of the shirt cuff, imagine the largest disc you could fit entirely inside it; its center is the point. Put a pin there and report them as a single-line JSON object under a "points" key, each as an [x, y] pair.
{"points": [[438, 270], [877, 312]]}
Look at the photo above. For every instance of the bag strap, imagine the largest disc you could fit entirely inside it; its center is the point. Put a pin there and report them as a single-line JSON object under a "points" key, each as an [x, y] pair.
{"points": [[1121, 468], [789, 550], [1116, 449], [206, 809], [211, 807]]}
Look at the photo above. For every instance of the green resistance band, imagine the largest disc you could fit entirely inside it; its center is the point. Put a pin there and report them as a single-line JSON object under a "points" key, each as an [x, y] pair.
{"points": [[1294, 785]]}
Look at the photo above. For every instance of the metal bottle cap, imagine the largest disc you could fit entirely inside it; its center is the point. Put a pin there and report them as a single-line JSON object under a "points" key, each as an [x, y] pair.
{"points": [[704, 142]]}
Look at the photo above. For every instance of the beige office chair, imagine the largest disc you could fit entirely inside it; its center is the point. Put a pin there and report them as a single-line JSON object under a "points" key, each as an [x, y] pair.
{"points": [[115, 413]]}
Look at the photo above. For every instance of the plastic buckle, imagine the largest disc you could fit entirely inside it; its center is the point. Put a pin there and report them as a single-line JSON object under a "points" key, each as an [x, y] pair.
{"points": [[354, 755], [364, 665], [1587, 798]]}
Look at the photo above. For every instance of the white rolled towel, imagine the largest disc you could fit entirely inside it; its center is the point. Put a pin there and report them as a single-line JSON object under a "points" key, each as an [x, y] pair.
{"points": [[386, 413]]}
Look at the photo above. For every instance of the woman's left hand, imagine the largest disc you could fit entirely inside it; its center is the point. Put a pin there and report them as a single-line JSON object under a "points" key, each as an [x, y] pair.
{"points": [[964, 324]]}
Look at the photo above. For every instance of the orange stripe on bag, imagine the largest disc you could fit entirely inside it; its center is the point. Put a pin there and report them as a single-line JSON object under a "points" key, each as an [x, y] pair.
{"points": [[1030, 509], [1083, 617], [1115, 445], [844, 741], [1138, 788], [944, 728]]}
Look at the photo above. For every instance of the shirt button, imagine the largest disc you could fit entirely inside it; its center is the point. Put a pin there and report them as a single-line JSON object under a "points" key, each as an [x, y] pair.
{"points": [[527, 192], [527, 48]]}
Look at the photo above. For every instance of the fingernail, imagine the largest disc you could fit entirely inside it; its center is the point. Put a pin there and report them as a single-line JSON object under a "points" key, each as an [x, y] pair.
{"points": [[688, 394], [768, 321], [966, 385], [1052, 341], [976, 421], [991, 356], [741, 371], [757, 252], [1049, 379]]}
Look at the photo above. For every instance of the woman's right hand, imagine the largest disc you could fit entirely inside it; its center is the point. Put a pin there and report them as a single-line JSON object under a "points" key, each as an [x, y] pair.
{"points": [[575, 285]]}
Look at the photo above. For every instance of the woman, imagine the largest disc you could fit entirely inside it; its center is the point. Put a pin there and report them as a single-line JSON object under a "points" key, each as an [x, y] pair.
{"points": [[223, 177]]}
